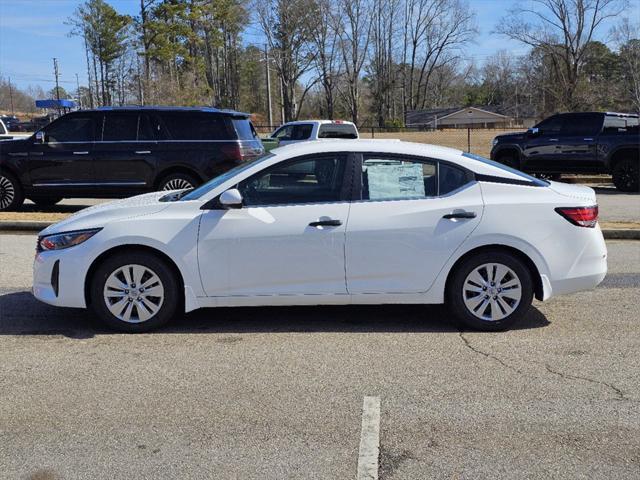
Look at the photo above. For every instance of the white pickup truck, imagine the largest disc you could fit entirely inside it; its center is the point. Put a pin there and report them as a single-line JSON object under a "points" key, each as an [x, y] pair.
{"points": [[306, 130]]}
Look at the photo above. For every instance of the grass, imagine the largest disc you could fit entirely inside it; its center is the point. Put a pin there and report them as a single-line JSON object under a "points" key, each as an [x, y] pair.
{"points": [[454, 138]]}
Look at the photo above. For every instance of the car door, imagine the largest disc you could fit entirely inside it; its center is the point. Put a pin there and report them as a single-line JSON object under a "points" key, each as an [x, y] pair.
{"points": [[540, 150], [289, 236], [125, 156], [576, 150], [413, 213], [64, 160]]}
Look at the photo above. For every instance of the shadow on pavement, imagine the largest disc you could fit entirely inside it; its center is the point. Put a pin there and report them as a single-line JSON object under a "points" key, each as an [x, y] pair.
{"points": [[22, 314], [32, 208], [611, 190]]}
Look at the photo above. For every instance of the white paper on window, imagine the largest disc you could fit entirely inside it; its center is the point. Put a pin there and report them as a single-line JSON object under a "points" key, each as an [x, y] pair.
{"points": [[395, 181]]}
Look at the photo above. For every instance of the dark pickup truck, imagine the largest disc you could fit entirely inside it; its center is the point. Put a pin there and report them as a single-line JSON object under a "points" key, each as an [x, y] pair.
{"points": [[577, 143]]}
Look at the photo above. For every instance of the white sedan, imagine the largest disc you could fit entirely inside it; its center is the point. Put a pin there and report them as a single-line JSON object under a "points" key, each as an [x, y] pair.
{"points": [[333, 222]]}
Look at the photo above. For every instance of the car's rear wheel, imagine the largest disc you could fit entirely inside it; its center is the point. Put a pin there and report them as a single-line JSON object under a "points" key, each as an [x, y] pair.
{"points": [[626, 175], [135, 292], [11, 194], [45, 201], [177, 181], [490, 291]]}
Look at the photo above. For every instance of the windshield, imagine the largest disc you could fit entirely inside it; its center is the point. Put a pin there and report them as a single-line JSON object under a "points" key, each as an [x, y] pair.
{"points": [[220, 179], [529, 178]]}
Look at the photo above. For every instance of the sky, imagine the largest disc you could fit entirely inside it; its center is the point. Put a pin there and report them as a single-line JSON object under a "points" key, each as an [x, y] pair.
{"points": [[32, 32]]}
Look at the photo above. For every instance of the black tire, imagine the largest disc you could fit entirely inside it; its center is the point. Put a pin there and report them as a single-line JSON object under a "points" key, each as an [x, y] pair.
{"points": [[455, 295], [172, 295], [45, 201], [11, 193], [626, 175], [177, 181], [510, 160]]}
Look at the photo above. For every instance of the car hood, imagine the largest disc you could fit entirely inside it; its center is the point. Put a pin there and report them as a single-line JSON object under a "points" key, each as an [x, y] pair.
{"points": [[510, 137], [99, 215]]}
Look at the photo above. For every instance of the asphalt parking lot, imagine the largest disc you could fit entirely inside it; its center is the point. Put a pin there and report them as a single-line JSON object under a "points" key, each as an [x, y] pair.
{"points": [[278, 392]]}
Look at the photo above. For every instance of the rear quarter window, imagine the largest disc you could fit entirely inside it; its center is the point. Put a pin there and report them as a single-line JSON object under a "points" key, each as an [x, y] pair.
{"points": [[244, 129], [528, 179], [197, 126]]}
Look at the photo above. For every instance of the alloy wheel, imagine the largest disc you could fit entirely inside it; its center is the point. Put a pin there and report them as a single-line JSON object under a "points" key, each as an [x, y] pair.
{"points": [[7, 192], [133, 293], [177, 184], [492, 291]]}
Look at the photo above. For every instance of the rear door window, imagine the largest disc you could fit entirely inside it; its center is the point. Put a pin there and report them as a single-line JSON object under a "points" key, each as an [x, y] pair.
{"points": [[196, 126], [302, 132], [337, 130], [120, 127], [396, 178], [581, 124], [145, 128]]}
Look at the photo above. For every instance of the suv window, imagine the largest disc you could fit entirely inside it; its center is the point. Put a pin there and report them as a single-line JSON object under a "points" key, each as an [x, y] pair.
{"points": [[305, 180], [551, 125], [388, 178], [615, 124], [76, 128], [196, 126], [244, 129], [581, 124], [120, 127], [337, 130]]}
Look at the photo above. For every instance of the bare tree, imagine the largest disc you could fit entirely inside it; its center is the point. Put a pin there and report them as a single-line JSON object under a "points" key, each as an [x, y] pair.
{"points": [[326, 61], [435, 32], [287, 28], [561, 29], [628, 42], [353, 28]]}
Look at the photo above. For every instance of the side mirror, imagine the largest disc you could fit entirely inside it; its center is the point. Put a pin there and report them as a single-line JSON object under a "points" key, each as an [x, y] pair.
{"points": [[231, 198], [40, 137], [533, 131]]}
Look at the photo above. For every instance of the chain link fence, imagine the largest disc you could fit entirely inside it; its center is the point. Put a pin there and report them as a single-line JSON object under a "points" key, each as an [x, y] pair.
{"points": [[474, 140]]}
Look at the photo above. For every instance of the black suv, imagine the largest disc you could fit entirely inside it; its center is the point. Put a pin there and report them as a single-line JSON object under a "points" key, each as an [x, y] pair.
{"points": [[118, 152], [586, 142]]}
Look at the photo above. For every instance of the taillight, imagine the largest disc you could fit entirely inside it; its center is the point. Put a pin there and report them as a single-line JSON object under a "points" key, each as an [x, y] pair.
{"points": [[231, 152], [580, 216]]}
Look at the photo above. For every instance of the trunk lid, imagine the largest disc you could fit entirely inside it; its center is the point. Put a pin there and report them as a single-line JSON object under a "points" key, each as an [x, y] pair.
{"points": [[577, 192]]}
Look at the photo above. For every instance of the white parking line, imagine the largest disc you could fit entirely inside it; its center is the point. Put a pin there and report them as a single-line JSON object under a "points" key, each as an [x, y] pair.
{"points": [[369, 439]]}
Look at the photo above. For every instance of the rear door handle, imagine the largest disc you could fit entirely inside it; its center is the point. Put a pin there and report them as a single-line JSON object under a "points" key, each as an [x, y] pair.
{"points": [[143, 152], [553, 139], [81, 153], [588, 139], [460, 215], [326, 223]]}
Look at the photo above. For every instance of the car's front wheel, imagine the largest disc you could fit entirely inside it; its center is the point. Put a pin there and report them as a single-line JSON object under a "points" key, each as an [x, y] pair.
{"points": [[490, 291], [135, 292], [177, 181]]}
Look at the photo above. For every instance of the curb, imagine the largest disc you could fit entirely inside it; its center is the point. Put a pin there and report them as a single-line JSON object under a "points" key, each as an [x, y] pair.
{"points": [[34, 227]]}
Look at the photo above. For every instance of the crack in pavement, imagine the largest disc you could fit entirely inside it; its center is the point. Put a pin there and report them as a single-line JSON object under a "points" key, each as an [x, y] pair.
{"points": [[488, 355], [619, 393]]}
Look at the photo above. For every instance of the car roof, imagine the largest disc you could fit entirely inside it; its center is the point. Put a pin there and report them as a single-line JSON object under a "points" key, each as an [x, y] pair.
{"points": [[165, 108], [474, 163], [320, 122]]}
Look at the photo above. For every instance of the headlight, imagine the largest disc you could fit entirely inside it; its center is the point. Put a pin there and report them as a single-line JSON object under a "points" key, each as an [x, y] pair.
{"points": [[59, 241], [494, 142]]}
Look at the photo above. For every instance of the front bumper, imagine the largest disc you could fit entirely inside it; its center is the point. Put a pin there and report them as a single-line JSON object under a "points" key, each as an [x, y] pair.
{"points": [[70, 275]]}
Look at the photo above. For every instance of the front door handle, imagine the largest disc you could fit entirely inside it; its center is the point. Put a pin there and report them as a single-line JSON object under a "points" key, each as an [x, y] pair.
{"points": [[326, 223], [81, 153], [460, 215], [143, 152]]}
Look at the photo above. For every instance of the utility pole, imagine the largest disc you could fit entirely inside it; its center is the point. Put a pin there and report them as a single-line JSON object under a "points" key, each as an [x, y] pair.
{"points": [[78, 92], [266, 67], [56, 73], [11, 96]]}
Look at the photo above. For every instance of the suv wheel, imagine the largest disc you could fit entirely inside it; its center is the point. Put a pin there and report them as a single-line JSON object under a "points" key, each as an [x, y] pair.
{"points": [[509, 160], [490, 291], [45, 201], [135, 292], [177, 181], [626, 175], [11, 195]]}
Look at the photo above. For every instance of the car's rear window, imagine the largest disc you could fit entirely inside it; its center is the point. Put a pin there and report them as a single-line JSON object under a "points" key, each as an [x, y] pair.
{"points": [[244, 128], [528, 178], [337, 130], [196, 126]]}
